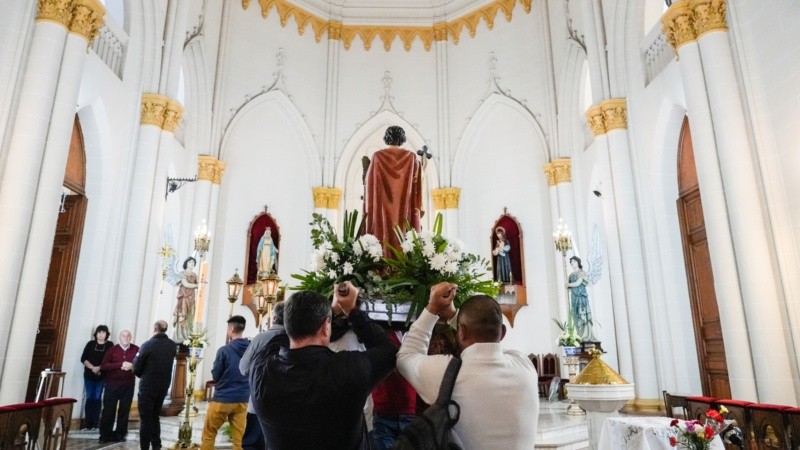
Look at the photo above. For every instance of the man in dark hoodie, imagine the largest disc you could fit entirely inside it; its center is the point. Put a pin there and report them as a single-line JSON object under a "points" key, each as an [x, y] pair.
{"points": [[232, 392]]}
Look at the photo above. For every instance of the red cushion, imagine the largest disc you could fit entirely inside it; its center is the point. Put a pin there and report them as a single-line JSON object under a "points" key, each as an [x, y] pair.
{"points": [[792, 411], [768, 407], [25, 406], [701, 399], [59, 401], [730, 402]]}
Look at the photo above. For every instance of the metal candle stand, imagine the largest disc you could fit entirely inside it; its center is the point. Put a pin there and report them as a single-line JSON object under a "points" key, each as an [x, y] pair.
{"points": [[195, 356]]}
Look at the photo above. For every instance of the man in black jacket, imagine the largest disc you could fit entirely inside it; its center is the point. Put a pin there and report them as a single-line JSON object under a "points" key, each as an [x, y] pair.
{"points": [[153, 365], [308, 397]]}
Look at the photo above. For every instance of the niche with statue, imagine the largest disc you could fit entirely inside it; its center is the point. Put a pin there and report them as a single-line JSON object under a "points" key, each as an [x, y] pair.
{"points": [[508, 262], [263, 255]]}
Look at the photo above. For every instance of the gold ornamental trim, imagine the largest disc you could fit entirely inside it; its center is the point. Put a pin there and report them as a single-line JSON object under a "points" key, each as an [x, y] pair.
{"points": [[57, 11], [615, 113], [88, 16], [210, 169], [558, 171], [173, 114], [326, 197], [709, 16], [645, 405], [594, 117], [598, 372], [153, 108], [389, 33], [678, 24], [446, 198]]}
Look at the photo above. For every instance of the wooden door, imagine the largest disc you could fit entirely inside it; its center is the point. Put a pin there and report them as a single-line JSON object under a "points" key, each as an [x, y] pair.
{"points": [[48, 350], [700, 277]]}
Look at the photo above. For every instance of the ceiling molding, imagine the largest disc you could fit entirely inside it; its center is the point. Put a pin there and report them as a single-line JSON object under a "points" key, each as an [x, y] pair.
{"points": [[442, 30]]}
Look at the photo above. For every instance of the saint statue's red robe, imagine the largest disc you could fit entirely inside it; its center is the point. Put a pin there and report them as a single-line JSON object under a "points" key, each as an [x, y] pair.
{"points": [[392, 194]]}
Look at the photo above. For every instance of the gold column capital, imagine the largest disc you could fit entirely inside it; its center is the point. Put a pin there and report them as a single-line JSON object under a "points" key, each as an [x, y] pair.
{"points": [[210, 169], [594, 117], [173, 114], [153, 109], [88, 16], [446, 198], [615, 113], [58, 11], [326, 197], [334, 30], [440, 31], [678, 24], [558, 171], [709, 15]]}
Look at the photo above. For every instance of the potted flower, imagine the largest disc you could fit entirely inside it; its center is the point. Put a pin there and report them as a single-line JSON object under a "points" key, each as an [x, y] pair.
{"points": [[427, 258], [568, 339]]}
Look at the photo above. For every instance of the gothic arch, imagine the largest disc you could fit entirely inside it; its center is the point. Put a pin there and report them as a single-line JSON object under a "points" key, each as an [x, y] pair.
{"points": [[299, 126], [199, 88]]}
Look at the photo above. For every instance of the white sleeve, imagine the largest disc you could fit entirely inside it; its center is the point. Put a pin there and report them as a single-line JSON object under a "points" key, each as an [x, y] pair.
{"points": [[423, 371]]}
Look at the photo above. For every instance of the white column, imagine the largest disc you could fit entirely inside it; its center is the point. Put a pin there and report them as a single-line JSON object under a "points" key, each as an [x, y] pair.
{"points": [[630, 244], [442, 110], [559, 178], [751, 239], [615, 264], [715, 210], [142, 187], [331, 106], [26, 149], [86, 20]]}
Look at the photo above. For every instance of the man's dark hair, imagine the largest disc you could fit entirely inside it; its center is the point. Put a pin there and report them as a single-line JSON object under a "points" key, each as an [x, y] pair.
{"points": [[238, 323], [482, 316], [277, 313], [161, 326], [394, 136], [304, 313]]}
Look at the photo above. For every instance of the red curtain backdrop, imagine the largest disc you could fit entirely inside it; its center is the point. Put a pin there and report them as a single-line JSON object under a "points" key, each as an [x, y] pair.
{"points": [[512, 235], [256, 231]]}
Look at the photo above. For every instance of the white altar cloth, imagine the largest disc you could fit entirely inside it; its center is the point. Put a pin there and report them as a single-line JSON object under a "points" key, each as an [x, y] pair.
{"points": [[640, 433]]}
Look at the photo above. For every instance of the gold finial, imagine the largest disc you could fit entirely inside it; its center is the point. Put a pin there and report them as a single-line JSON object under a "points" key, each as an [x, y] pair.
{"points": [[598, 372]]}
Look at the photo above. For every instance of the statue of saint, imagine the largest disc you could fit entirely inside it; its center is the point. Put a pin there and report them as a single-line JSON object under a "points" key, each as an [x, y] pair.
{"points": [[267, 254], [184, 309], [393, 190], [502, 253], [579, 299]]}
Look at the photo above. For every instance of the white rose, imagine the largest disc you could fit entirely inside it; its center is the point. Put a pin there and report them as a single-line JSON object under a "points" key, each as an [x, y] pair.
{"points": [[347, 269]]}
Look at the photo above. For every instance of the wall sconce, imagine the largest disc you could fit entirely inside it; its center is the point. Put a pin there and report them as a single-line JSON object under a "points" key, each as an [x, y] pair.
{"points": [[266, 295], [202, 239], [235, 284]]}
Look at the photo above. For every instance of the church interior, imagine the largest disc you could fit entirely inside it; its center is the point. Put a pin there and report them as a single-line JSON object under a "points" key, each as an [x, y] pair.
{"points": [[652, 139]]}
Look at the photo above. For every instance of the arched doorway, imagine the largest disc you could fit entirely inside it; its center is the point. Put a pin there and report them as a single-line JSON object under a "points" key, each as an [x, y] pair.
{"points": [[700, 278], [54, 320]]}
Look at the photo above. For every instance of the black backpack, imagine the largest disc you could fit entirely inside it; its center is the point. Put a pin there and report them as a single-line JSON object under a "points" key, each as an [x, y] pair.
{"points": [[433, 429]]}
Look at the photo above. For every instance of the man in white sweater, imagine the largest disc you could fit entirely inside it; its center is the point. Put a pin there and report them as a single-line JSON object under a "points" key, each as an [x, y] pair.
{"points": [[497, 389]]}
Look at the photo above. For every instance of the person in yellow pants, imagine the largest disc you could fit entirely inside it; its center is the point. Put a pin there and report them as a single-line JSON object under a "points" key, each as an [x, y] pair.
{"points": [[232, 391]]}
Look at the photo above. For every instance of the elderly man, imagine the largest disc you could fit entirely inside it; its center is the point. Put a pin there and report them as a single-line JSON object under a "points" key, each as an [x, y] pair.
{"points": [[306, 396], [117, 365], [153, 365], [497, 389]]}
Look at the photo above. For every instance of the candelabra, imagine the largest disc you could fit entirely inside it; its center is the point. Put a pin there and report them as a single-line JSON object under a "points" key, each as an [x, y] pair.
{"points": [[202, 239], [235, 284], [562, 238], [266, 295], [196, 344], [572, 361]]}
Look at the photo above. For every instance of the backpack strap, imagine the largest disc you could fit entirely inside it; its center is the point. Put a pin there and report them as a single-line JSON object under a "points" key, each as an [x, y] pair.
{"points": [[448, 381]]}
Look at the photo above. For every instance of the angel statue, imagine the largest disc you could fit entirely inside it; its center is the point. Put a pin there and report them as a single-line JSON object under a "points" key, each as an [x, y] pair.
{"points": [[267, 254], [580, 309]]}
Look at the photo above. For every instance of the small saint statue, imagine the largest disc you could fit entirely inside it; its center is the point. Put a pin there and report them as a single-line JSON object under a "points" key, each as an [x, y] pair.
{"points": [[184, 309]]}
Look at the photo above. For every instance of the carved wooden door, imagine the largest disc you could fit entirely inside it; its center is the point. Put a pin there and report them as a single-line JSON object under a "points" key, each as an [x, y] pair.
{"points": [[700, 277]]}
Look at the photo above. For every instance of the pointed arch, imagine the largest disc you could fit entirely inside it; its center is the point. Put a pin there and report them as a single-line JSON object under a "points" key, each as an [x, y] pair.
{"points": [[198, 93], [299, 126], [365, 141]]}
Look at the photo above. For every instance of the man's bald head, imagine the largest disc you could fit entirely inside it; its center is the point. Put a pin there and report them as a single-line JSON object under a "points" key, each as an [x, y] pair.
{"points": [[160, 326], [480, 320]]}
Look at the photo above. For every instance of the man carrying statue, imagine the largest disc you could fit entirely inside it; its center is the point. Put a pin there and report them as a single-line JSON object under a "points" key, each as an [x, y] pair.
{"points": [[393, 190]]}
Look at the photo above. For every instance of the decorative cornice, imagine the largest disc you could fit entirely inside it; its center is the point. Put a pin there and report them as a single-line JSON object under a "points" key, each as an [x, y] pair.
{"points": [[58, 11], [388, 33], [709, 15], [153, 108], [326, 197], [172, 116], [678, 25], [594, 117], [558, 171], [88, 16], [446, 198], [615, 113], [210, 169]]}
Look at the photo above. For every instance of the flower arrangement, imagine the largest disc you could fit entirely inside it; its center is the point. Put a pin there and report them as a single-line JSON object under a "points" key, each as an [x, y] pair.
{"points": [[568, 336], [351, 258], [197, 336], [427, 258], [697, 435]]}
